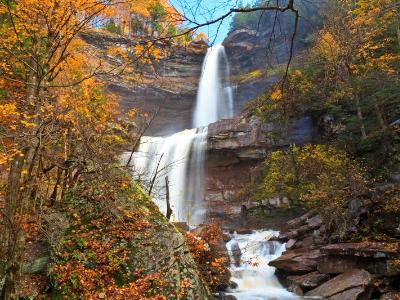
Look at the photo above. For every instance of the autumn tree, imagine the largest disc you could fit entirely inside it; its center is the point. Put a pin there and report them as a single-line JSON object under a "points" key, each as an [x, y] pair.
{"points": [[57, 122]]}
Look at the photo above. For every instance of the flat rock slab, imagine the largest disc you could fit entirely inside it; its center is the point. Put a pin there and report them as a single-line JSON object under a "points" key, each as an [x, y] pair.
{"points": [[353, 294], [352, 285], [364, 249], [297, 261]]}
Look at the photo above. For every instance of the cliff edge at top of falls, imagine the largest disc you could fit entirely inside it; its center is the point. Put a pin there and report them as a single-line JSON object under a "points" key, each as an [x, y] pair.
{"points": [[169, 86]]}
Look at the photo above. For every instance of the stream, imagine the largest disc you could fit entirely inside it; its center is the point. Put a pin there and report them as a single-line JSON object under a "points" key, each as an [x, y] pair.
{"points": [[255, 279]]}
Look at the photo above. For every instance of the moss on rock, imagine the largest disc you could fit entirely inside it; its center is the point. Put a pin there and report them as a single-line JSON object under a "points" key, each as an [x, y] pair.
{"points": [[122, 249]]}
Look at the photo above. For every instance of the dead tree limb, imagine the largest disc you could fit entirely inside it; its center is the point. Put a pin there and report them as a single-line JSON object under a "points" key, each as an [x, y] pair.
{"points": [[155, 175], [169, 210]]}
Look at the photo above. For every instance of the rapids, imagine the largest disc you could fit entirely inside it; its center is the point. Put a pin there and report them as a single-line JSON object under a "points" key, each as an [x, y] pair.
{"points": [[256, 280]]}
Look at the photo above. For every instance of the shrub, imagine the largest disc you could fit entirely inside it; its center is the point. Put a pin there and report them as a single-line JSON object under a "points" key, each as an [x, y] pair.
{"points": [[318, 176]]}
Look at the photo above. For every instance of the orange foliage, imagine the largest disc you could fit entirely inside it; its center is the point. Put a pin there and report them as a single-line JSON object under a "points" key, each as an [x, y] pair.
{"points": [[206, 251]]}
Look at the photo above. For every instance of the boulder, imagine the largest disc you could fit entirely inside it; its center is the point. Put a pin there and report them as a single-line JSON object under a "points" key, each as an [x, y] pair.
{"points": [[224, 296], [336, 264], [295, 289], [364, 249], [308, 281], [236, 254], [352, 285], [290, 243], [299, 261], [297, 222], [375, 257]]}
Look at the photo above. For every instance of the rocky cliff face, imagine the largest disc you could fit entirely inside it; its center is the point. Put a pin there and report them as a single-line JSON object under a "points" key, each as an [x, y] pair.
{"points": [[169, 86], [236, 150]]}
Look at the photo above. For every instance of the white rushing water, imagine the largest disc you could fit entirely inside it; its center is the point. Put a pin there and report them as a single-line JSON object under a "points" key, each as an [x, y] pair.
{"points": [[178, 158], [214, 96], [181, 156], [256, 280]]}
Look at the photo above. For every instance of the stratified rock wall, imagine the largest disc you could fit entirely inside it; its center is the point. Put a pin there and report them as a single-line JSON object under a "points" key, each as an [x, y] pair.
{"points": [[236, 150], [169, 86]]}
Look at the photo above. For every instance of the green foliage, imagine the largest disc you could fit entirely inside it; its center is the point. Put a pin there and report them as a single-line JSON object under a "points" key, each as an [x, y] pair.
{"points": [[158, 15], [137, 26], [349, 83], [112, 27], [317, 176]]}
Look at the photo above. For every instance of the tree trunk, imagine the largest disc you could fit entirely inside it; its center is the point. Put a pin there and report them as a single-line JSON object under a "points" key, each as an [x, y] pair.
{"points": [[12, 237], [360, 118], [379, 116], [169, 210]]}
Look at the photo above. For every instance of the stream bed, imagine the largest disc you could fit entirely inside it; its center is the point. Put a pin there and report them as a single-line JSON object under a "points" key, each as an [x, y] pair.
{"points": [[255, 279]]}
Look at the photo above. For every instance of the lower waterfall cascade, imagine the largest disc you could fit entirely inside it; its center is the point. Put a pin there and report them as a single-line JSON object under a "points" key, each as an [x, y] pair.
{"points": [[255, 279]]}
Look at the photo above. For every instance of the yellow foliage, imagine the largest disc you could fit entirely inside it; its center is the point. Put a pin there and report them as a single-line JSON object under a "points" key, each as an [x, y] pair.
{"points": [[276, 95]]}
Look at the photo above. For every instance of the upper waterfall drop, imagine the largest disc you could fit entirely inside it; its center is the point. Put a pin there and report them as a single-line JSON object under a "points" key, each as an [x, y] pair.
{"points": [[214, 96], [179, 158]]}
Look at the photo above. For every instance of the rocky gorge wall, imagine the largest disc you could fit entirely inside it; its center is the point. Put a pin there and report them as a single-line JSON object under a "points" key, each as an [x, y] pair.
{"points": [[235, 155], [236, 147], [169, 86]]}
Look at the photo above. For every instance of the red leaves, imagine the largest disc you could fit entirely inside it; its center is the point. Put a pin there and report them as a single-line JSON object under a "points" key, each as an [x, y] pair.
{"points": [[205, 249]]}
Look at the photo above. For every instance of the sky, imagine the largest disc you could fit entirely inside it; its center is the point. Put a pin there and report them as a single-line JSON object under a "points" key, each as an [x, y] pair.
{"points": [[201, 11]]}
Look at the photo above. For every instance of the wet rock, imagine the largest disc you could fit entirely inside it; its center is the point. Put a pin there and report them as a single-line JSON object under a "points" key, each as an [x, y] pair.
{"points": [[299, 261], [233, 285], [236, 254], [244, 231], [308, 281], [290, 244], [296, 289], [352, 285], [224, 296]]}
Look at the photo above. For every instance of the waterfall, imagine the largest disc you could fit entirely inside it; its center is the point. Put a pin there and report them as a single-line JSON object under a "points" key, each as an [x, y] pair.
{"points": [[161, 157], [214, 96], [181, 156], [250, 255]]}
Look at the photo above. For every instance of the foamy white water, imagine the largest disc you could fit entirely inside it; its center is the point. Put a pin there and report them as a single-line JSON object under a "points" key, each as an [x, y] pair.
{"points": [[255, 278], [180, 158], [214, 96]]}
